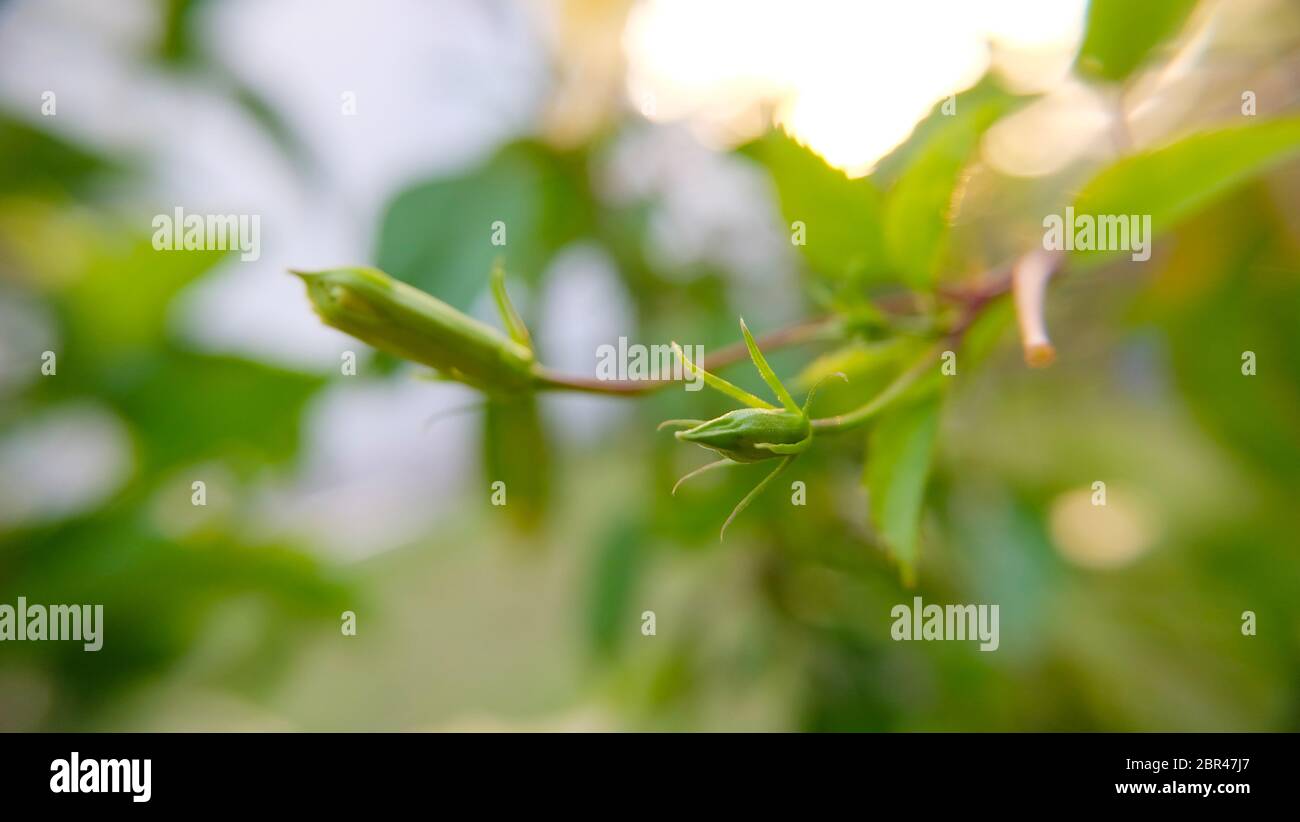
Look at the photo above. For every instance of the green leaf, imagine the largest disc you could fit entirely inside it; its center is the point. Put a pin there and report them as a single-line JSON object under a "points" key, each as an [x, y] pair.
{"points": [[921, 204], [618, 563], [109, 285], [718, 383], [766, 372], [187, 407], [119, 302], [899, 451], [38, 162], [1176, 181], [1120, 34], [753, 494], [438, 235], [509, 315], [841, 217], [515, 451]]}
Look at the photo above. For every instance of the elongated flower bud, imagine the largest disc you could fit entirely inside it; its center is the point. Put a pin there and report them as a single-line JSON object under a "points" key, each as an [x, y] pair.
{"points": [[402, 320], [752, 434]]}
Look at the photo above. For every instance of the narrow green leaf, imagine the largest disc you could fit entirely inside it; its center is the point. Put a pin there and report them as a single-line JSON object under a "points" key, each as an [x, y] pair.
{"points": [[766, 372], [516, 452], [703, 469], [920, 206], [509, 316], [719, 384], [617, 568], [752, 495], [1174, 182], [899, 451]]}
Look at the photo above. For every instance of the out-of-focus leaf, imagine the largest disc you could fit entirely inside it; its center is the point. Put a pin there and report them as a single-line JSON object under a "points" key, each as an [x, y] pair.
{"points": [[1230, 287], [516, 452], [921, 204], [37, 162], [119, 302], [1173, 182], [181, 47], [1120, 34], [899, 450], [438, 235], [610, 615], [841, 217], [187, 407], [109, 286], [156, 594], [179, 43]]}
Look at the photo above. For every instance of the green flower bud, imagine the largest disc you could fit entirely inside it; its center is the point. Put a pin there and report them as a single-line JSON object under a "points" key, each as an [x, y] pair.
{"points": [[752, 434], [395, 317]]}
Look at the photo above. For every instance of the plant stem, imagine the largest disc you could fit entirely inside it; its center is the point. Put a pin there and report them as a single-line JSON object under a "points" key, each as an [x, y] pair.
{"points": [[972, 300], [791, 335], [862, 414]]}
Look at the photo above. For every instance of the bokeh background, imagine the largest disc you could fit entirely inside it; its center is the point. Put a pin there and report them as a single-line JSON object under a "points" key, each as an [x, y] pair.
{"points": [[648, 159]]}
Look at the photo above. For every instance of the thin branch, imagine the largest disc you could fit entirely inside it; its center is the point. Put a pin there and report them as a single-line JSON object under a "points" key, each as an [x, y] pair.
{"points": [[972, 299], [878, 403], [791, 335], [1035, 267]]}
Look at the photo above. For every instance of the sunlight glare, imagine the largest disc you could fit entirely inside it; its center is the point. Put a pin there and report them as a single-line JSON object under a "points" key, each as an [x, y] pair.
{"points": [[850, 80]]}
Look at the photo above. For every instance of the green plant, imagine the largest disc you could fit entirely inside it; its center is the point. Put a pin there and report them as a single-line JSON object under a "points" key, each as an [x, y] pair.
{"points": [[929, 322], [406, 322], [898, 321]]}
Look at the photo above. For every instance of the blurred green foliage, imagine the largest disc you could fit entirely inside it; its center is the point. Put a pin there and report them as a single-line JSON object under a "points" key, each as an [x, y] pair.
{"points": [[431, 235], [1117, 41], [967, 489], [1174, 182], [108, 291]]}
